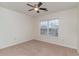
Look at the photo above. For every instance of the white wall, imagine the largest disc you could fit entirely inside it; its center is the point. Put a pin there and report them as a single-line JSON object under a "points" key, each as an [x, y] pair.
{"points": [[67, 28], [78, 29], [14, 27]]}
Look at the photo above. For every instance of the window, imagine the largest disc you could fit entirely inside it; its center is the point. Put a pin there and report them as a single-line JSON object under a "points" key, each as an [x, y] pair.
{"points": [[44, 25], [49, 27]]}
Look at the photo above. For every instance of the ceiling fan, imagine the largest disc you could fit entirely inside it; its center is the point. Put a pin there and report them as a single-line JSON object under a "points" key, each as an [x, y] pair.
{"points": [[37, 7]]}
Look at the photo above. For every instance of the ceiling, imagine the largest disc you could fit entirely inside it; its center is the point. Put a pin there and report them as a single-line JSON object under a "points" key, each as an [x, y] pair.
{"points": [[51, 6]]}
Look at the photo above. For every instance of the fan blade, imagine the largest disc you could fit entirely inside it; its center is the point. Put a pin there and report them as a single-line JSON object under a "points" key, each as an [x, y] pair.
{"points": [[39, 4], [43, 9], [35, 6], [30, 5], [37, 11], [30, 9]]}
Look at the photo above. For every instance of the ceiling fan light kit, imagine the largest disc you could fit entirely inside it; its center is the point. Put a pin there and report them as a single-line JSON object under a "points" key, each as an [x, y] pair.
{"points": [[36, 9]]}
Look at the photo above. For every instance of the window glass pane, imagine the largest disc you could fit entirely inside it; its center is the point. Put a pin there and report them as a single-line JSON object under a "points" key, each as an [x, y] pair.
{"points": [[53, 32], [53, 24], [53, 27], [43, 31], [44, 25]]}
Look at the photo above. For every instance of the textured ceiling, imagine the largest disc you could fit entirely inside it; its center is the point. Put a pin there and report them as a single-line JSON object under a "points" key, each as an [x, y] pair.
{"points": [[51, 6]]}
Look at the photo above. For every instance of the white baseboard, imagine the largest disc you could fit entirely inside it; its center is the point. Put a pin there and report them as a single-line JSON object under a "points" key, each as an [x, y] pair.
{"points": [[58, 44], [14, 43]]}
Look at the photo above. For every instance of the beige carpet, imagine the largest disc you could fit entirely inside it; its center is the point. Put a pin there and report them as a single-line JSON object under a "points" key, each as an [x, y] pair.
{"points": [[37, 48]]}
